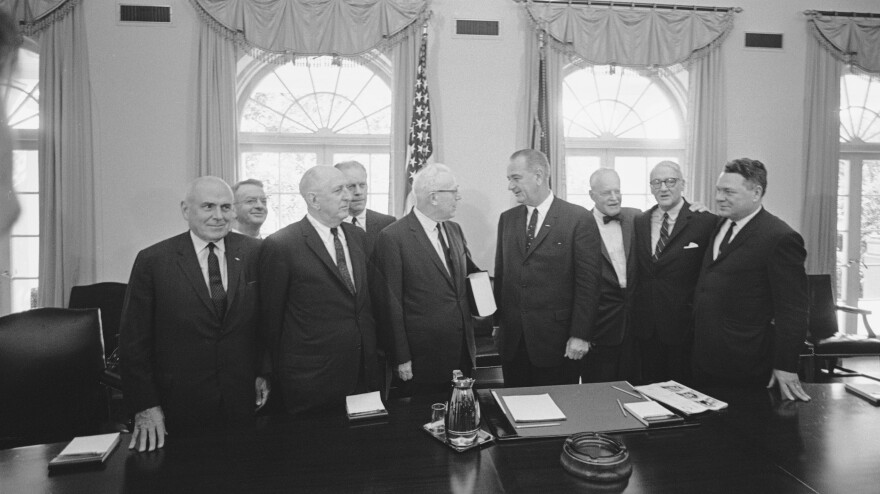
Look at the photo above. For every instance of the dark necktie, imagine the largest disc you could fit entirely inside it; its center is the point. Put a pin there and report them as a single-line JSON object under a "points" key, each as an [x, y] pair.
{"points": [[530, 232], [215, 282], [609, 219], [341, 265], [726, 240], [664, 236], [445, 248], [354, 221]]}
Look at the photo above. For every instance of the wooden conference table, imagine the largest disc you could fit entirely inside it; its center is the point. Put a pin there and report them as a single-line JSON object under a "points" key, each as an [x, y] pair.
{"points": [[760, 444]]}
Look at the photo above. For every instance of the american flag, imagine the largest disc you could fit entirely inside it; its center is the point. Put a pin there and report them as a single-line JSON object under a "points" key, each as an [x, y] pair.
{"points": [[420, 147]]}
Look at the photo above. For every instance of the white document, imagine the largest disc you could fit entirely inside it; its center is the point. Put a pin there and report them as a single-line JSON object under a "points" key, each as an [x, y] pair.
{"points": [[481, 288], [365, 403], [90, 445], [649, 410], [686, 400], [533, 408]]}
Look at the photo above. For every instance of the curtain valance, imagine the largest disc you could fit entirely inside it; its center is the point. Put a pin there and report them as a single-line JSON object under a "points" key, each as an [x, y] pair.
{"points": [[279, 30], [852, 40], [37, 15], [630, 37]]}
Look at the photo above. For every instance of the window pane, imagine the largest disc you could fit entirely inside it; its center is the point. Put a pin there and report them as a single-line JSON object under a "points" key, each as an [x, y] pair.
{"points": [[25, 252], [25, 176], [577, 178], [29, 221], [24, 294]]}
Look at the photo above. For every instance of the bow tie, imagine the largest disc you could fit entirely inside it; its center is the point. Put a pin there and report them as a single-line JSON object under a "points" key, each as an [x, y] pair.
{"points": [[608, 219]]}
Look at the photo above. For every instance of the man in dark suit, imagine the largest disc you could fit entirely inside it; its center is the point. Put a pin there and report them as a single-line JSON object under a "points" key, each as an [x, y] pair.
{"points": [[546, 279], [750, 304], [423, 263], [188, 335], [315, 302], [368, 220], [611, 354], [250, 207], [670, 241]]}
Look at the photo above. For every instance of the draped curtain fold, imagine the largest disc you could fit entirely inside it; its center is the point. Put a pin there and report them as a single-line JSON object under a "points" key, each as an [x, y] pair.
{"points": [[833, 42], [67, 206], [640, 38], [279, 31]]}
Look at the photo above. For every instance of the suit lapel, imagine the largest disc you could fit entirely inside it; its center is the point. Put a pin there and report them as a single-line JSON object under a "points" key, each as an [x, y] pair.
{"points": [[418, 232], [643, 226], [316, 244], [626, 230], [684, 216], [189, 264], [741, 236], [520, 227], [456, 252], [233, 269], [358, 258], [544, 225]]}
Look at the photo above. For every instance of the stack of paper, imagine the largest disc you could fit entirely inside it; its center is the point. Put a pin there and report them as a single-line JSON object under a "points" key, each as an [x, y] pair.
{"points": [[533, 408], [682, 398], [364, 406], [86, 449], [651, 413], [868, 391]]}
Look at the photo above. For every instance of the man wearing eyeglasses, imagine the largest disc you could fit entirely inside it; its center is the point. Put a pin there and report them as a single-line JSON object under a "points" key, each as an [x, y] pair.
{"points": [[250, 207], [670, 240], [367, 220], [423, 262]]}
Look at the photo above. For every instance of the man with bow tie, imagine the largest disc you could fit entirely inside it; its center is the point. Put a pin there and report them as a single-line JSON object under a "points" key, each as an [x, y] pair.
{"points": [[612, 355], [546, 279], [670, 239]]}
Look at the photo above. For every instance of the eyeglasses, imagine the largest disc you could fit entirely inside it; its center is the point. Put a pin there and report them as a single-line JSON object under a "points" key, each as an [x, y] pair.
{"points": [[670, 183]]}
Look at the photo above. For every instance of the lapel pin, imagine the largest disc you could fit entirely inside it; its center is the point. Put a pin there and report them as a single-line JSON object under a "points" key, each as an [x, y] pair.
{"points": [[237, 259]]}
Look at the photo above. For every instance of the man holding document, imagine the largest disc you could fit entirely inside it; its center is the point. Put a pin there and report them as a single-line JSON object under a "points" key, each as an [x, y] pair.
{"points": [[423, 262]]}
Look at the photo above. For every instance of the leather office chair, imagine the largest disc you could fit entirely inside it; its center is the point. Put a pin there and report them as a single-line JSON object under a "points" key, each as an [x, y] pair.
{"points": [[50, 362], [109, 297], [829, 346]]}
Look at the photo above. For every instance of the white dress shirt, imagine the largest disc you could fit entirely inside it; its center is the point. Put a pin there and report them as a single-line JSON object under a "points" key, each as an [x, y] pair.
{"points": [[202, 252], [327, 237], [612, 237], [430, 227], [657, 222], [362, 220], [542, 213], [726, 226]]}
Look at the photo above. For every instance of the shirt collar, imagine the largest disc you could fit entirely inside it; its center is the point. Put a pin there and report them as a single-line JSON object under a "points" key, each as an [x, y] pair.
{"points": [[427, 223], [323, 230], [200, 244], [741, 223], [362, 218], [673, 211], [542, 208]]}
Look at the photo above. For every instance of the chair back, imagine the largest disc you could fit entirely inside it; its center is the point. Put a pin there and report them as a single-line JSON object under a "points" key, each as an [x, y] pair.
{"points": [[108, 296], [823, 309], [50, 363]]}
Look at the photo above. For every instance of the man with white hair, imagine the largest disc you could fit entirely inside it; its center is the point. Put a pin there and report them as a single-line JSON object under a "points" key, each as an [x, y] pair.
{"points": [[423, 262], [250, 207]]}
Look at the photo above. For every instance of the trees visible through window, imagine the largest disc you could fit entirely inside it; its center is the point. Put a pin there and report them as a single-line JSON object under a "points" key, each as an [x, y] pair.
{"points": [[315, 111], [624, 120]]}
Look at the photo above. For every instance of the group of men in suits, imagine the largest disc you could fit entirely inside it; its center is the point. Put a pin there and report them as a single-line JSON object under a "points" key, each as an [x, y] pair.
{"points": [[588, 296]]}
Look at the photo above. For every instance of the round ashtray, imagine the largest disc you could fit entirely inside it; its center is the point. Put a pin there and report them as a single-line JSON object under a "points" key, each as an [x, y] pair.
{"points": [[595, 457]]}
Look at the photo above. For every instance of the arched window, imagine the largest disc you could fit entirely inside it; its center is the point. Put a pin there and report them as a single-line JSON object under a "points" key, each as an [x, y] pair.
{"points": [[19, 258], [624, 120], [858, 200], [318, 110]]}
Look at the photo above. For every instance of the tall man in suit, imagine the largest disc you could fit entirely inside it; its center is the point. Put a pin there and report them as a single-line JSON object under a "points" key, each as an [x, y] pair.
{"points": [[671, 239], [315, 303], [611, 356], [368, 220], [546, 279], [250, 207], [188, 336], [750, 304], [423, 263]]}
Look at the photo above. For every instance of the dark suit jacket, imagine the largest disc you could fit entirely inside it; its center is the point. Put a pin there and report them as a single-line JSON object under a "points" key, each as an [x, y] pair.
{"points": [[549, 293], [322, 336], [663, 303], [428, 310], [750, 304], [175, 350], [613, 314], [376, 222]]}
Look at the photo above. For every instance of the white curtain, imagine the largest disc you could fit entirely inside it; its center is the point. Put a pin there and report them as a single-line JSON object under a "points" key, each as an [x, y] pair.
{"points": [[645, 39], [278, 31], [833, 42], [67, 206]]}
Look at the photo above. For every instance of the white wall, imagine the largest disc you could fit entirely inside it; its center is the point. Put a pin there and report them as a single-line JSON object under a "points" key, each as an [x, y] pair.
{"points": [[143, 81]]}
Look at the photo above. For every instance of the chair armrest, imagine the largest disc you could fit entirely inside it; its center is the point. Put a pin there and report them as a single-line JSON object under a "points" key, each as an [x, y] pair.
{"points": [[852, 310]]}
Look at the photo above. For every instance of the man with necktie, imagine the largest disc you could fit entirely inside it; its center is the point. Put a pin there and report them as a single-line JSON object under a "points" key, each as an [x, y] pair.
{"points": [[546, 279], [370, 221], [751, 307], [670, 240], [423, 262], [612, 354], [315, 302], [250, 207], [188, 337]]}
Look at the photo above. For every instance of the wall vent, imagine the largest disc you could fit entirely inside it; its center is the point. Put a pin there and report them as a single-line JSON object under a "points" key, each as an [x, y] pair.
{"points": [[469, 27], [764, 40], [145, 13]]}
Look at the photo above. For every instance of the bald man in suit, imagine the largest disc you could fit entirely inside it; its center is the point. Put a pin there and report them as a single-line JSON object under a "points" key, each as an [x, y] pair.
{"points": [[315, 301], [188, 337]]}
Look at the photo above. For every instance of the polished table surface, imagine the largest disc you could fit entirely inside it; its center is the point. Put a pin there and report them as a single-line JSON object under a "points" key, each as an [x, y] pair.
{"points": [[760, 444]]}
